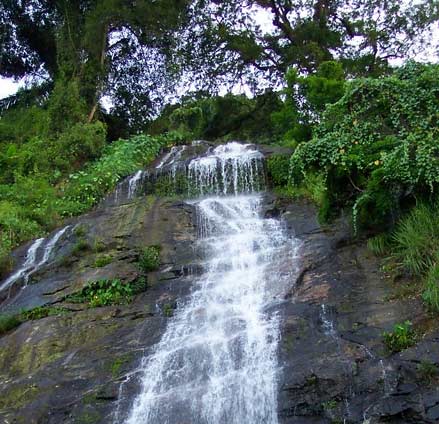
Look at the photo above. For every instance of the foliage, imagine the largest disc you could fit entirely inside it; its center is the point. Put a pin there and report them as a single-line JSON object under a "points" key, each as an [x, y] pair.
{"points": [[168, 310], [149, 259], [278, 167], [103, 293], [70, 45], [228, 117], [363, 35], [312, 187], [402, 337], [31, 205], [118, 364], [108, 292], [123, 157], [378, 144], [8, 322]]}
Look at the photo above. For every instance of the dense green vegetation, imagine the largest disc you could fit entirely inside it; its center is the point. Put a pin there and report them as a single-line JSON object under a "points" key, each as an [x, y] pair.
{"points": [[34, 198], [107, 292]]}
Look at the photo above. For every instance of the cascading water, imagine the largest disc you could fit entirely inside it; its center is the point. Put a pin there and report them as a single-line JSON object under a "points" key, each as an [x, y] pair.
{"points": [[28, 265], [133, 183], [31, 263], [216, 362]]}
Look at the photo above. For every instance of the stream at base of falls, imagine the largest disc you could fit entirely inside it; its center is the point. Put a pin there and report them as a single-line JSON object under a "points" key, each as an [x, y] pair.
{"points": [[217, 362]]}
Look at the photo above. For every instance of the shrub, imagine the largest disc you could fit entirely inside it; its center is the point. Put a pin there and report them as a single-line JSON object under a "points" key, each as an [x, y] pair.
{"points": [[8, 322], [149, 259], [402, 337], [378, 145], [278, 167]]}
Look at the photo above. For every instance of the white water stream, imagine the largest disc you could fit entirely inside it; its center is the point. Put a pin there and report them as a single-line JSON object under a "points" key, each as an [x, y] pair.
{"points": [[31, 263], [217, 361]]}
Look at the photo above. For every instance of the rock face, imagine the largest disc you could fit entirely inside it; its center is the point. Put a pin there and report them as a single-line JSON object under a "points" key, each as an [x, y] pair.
{"points": [[81, 366], [335, 367]]}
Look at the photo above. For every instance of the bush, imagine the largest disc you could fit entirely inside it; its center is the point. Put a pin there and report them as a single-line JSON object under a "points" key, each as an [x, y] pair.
{"points": [[378, 145], [402, 337], [278, 167], [149, 259]]}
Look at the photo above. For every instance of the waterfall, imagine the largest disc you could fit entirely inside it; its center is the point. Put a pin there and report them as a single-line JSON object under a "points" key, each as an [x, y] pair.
{"points": [[48, 248], [133, 183], [230, 168], [217, 360], [31, 265], [27, 266], [171, 157]]}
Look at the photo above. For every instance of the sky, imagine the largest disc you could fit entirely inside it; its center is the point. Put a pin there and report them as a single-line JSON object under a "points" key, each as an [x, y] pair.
{"points": [[8, 86]]}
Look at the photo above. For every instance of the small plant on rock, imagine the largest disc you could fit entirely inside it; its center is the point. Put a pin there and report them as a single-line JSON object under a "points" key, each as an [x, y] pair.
{"points": [[427, 371], [8, 322], [149, 259], [103, 260], [402, 337], [42, 312], [103, 293]]}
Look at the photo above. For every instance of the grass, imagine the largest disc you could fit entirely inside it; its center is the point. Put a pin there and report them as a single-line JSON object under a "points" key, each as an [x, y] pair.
{"points": [[416, 240], [430, 295], [103, 260], [379, 245], [42, 312], [9, 322], [413, 251]]}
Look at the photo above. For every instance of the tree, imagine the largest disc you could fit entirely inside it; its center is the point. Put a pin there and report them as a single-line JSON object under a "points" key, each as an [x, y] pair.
{"points": [[101, 46], [363, 34]]}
